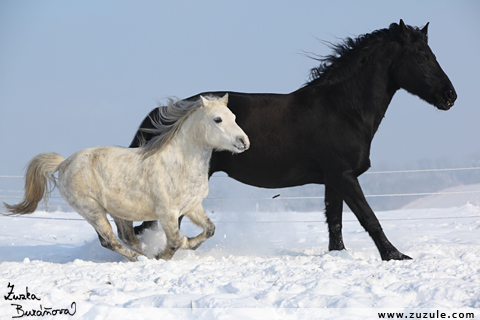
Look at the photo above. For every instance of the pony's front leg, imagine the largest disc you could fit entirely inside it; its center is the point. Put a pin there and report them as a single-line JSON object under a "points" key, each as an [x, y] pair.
{"points": [[200, 218], [172, 233]]}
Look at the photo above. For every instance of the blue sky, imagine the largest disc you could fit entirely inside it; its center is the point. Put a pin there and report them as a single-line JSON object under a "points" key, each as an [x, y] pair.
{"points": [[75, 74]]}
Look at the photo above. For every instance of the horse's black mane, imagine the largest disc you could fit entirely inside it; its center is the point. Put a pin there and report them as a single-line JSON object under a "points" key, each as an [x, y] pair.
{"points": [[350, 48]]}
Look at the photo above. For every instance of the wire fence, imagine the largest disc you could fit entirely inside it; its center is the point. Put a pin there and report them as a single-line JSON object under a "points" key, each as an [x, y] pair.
{"points": [[276, 221], [11, 190], [216, 200]]}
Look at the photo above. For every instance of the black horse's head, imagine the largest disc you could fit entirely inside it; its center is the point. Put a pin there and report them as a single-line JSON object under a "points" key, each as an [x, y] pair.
{"points": [[417, 69]]}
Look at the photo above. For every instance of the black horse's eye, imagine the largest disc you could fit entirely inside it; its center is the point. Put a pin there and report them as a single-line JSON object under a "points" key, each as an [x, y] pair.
{"points": [[422, 58], [217, 120]]}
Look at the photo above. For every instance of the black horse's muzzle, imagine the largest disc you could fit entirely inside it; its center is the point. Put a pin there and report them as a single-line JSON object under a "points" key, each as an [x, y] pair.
{"points": [[448, 100]]}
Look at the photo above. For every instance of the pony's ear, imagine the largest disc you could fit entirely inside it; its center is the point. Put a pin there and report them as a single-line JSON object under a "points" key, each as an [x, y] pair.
{"points": [[204, 101], [224, 99], [425, 29]]}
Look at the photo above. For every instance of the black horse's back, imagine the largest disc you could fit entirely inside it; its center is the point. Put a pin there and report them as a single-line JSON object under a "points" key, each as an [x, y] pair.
{"points": [[322, 132]]}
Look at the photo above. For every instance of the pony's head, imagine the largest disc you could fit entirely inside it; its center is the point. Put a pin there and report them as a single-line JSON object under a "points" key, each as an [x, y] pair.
{"points": [[214, 125], [221, 130], [417, 70]]}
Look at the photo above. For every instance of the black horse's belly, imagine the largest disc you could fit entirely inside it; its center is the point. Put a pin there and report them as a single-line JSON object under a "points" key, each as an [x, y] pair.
{"points": [[251, 169]]}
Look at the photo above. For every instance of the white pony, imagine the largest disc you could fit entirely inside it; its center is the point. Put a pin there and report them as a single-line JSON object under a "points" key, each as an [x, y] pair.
{"points": [[163, 180]]}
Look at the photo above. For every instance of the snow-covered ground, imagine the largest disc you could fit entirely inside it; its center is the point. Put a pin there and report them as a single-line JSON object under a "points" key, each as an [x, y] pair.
{"points": [[451, 197], [257, 266]]}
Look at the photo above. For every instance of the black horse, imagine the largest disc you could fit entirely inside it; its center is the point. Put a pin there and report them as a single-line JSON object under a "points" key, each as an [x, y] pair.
{"points": [[322, 132]]}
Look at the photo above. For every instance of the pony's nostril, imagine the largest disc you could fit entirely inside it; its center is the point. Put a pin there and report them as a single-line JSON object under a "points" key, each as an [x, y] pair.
{"points": [[242, 142]]}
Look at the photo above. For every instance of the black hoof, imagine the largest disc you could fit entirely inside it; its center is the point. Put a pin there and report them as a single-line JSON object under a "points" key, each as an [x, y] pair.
{"points": [[138, 229], [336, 246], [395, 256]]}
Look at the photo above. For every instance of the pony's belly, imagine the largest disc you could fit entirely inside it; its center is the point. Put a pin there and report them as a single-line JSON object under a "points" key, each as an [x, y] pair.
{"points": [[138, 212], [172, 204], [185, 207], [135, 217], [182, 200]]}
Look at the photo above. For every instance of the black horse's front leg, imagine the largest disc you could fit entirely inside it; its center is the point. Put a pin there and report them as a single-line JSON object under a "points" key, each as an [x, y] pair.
{"points": [[333, 213], [349, 188]]}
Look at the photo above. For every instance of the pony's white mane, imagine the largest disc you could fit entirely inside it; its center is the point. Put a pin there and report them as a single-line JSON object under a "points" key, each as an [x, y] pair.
{"points": [[168, 122]]}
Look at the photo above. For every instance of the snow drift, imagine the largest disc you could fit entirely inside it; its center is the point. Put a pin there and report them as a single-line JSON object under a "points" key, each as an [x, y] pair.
{"points": [[257, 266]]}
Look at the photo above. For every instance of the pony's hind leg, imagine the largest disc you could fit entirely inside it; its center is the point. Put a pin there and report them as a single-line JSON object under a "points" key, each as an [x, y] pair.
{"points": [[108, 240], [127, 235], [200, 218], [97, 217]]}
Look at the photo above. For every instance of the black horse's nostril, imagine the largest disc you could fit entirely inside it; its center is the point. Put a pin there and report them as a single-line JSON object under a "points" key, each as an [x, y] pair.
{"points": [[450, 95]]}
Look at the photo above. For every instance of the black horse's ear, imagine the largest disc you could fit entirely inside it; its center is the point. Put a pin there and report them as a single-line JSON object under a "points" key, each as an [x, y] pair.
{"points": [[403, 28], [425, 29]]}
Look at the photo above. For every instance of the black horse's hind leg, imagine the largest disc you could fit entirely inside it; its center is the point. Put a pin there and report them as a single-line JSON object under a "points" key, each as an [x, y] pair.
{"points": [[349, 188], [180, 221], [333, 213], [146, 225], [151, 225]]}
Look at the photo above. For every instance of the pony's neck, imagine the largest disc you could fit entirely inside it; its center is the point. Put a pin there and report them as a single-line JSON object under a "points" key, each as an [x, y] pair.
{"points": [[192, 154], [193, 148]]}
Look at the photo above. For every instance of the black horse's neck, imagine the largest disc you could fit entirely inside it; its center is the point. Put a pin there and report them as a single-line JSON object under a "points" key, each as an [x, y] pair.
{"points": [[360, 79], [377, 88]]}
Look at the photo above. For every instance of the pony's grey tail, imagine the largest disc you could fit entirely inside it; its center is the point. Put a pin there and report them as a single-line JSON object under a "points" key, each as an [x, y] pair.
{"points": [[38, 176]]}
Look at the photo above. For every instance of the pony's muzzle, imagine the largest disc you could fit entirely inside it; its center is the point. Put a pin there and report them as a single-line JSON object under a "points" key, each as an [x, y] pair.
{"points": [[242, 143]]}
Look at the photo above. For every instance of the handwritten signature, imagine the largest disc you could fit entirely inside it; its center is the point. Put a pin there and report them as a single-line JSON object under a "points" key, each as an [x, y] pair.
{"points": [[41, 311]]}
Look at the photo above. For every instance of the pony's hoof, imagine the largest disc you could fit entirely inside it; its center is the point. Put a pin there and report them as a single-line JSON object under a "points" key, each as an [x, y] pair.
{"points": [[161, 256]]}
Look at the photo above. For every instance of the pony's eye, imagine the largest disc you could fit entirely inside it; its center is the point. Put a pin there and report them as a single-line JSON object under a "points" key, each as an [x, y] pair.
{"points": [[217, 120]]}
